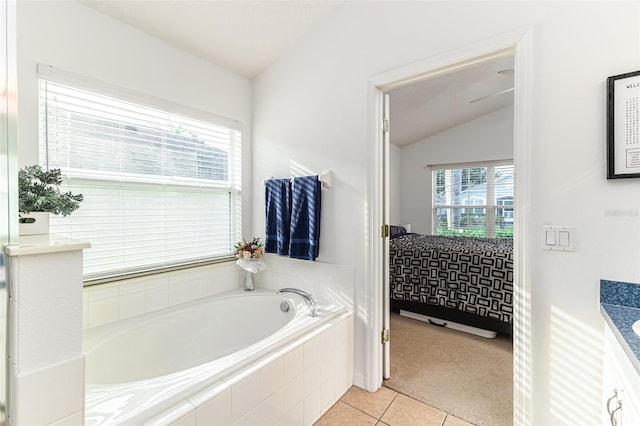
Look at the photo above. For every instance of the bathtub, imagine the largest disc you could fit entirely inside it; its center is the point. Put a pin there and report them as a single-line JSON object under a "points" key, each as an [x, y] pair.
{"points": [[137, 367]]}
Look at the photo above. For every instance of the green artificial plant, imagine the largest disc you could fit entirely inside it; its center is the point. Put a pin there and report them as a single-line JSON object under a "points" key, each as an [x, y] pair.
{"points": [[39, 191]]}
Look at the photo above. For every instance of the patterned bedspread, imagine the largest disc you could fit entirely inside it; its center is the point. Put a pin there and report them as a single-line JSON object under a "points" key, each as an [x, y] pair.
{"points": [[474, 275]]}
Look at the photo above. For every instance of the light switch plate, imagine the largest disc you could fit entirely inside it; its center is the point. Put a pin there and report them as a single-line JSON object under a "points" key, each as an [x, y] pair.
{"points": [[558, 238]]}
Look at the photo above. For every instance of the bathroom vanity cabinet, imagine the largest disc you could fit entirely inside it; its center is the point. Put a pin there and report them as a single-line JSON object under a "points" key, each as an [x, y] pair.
{"points": [[620, 309], [621, 385]]}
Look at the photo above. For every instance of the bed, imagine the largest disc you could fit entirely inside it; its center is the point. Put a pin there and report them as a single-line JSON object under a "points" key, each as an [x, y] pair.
{"points": [[463, 280]]}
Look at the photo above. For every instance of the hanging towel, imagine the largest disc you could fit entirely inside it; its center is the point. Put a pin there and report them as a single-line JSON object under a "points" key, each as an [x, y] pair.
{"points": [[278, 216], [305, 218]]}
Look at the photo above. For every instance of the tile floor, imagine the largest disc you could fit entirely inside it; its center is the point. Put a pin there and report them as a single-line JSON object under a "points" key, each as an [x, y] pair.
{"points": [[384, 407]]}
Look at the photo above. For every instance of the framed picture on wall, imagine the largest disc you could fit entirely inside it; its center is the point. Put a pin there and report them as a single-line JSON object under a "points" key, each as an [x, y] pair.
{"points": [[623, 126]]}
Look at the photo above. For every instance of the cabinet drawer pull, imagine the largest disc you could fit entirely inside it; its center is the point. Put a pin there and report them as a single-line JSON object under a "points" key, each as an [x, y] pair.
{"points": [[608, 405], [614, 420]]}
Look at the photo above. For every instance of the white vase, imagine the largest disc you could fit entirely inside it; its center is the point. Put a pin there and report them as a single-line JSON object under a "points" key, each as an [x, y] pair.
{"points": [[34, 223], [248, 281]]}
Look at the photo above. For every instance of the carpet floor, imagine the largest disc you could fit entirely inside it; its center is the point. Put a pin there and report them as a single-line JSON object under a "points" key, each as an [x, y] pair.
{"points": [[467, 376]]}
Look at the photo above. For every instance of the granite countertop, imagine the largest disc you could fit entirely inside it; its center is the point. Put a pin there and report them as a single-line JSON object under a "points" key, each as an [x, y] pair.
{"points": [[620, 307]]}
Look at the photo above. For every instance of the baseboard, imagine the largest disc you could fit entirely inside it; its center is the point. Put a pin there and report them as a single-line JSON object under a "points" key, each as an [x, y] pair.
{"points": [[358, 380], [487, 334]]}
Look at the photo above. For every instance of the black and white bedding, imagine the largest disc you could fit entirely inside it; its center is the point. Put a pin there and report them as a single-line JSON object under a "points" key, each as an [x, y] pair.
{"points": [[472, 276]]}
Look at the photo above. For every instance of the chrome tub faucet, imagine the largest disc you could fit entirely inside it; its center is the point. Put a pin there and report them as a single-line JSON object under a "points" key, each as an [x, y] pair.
{"points": [[308, 298]]}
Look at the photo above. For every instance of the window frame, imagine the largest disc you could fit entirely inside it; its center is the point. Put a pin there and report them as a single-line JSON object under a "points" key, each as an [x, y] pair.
{"points": [[234, 188], [490, 210]]}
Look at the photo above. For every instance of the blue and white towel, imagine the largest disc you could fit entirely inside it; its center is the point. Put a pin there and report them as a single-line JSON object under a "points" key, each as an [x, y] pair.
{"points": [[278, 216], [305, 218]]}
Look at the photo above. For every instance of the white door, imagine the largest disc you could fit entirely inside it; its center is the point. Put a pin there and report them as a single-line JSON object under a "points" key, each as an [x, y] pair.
{"points": [[386, 356]]}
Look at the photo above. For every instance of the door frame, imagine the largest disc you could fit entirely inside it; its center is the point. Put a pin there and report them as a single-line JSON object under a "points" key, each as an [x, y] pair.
{"points": [[518, 45]]}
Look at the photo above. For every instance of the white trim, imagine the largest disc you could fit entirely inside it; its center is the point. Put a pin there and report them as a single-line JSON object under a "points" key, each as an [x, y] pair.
{"points": [[447, 63], [373, 272], [470, 165], [385, 320], [358, 380], [48, 72], [490, 209], [522, 348], [518, 44]]}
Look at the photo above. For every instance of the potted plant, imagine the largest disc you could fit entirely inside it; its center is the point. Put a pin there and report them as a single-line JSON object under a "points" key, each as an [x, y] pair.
{"points": [[40, 195]]}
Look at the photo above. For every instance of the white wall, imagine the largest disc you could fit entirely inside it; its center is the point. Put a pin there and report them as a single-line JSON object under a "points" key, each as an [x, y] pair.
{"points": [[486, 138], [311, 109], [74, 38]]}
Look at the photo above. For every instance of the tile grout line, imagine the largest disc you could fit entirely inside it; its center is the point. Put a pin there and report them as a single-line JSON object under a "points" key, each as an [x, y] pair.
{"points": [[447, 414], [379, 419], [388, 406], [383, 413], [359, 409]]}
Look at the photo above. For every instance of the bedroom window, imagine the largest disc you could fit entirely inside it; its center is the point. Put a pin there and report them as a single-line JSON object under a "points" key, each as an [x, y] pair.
{"points": [[474, 200], [161, 183]]}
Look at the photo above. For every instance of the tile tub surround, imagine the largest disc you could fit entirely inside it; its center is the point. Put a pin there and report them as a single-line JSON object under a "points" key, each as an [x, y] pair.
{"points": [[293, 385], [330, 284], [620, 308], [111, 302]]}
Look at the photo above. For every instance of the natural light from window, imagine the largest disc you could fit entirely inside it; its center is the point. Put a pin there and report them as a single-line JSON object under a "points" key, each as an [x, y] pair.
{"points": [[161, 189], [473, 201]]}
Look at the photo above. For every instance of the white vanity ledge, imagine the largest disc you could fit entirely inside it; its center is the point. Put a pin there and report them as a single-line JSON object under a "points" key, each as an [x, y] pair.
{"points": [[41, 244]]}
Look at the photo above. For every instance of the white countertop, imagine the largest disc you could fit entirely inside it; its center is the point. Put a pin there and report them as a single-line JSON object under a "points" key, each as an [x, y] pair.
{"points": [[46, 243]]}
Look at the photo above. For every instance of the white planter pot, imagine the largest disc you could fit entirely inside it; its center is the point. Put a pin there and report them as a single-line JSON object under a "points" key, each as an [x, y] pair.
{"points": [[39, 225]]}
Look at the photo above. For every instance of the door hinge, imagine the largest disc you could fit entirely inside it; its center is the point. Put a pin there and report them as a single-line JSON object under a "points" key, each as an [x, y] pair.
{"points": [[384, 336], [384, 232], [385, 125]]}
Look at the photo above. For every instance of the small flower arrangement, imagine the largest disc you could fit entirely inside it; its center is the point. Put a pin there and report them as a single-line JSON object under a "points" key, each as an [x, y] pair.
{"points": [[253, 249], [249, 254]]}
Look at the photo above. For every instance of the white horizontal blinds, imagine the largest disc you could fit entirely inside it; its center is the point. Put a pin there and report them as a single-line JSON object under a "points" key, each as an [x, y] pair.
{"points": [[160, 189], [138, 227], [503, 199], [465, 200]]}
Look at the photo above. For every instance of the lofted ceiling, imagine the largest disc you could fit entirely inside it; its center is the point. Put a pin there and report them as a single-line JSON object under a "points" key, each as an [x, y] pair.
{"points": [[248, 36], [242, 36], [432, 106]]}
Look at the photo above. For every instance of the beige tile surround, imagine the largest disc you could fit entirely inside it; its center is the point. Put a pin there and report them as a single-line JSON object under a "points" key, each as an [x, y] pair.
{"points": [[384, 407]]}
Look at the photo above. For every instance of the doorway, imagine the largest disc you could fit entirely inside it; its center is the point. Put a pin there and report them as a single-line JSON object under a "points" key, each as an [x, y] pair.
{"points": [[461, 125], [517, 45]]}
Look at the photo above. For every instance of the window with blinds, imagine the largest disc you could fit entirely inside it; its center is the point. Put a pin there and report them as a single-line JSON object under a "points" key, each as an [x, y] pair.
{"points": [[474, 200], [161, 190]]}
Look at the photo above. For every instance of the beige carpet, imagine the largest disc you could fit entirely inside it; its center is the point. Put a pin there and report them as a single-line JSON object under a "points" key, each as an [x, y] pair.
{"points": [[467, 376]]}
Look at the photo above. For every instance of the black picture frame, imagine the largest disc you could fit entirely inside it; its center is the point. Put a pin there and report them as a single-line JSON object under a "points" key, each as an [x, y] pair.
{"points": [[623, 126]]}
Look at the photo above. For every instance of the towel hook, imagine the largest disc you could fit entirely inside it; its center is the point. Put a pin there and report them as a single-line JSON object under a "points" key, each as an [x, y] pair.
{"points": [[324, 178]]}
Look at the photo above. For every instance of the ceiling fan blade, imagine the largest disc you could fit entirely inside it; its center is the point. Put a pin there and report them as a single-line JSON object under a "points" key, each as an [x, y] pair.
{"points": [[510, 89]]}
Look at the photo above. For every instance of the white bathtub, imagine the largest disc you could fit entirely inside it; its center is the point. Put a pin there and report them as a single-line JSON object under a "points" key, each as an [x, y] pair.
{"points": [[136, 368]]}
